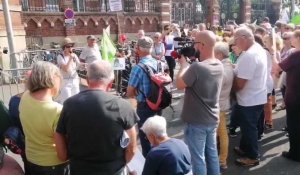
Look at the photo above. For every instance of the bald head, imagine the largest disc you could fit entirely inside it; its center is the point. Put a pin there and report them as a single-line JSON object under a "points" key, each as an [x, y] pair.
{"points": [[208, 38], [100, 72]]}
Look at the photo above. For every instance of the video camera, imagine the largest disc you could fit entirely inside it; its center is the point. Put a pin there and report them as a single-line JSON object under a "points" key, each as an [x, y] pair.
{"points": [[186, 48]]}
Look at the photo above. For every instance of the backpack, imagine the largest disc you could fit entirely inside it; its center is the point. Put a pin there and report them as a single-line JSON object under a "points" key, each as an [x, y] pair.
{"points": [[5, 121], [160, 95], [11, 137]]}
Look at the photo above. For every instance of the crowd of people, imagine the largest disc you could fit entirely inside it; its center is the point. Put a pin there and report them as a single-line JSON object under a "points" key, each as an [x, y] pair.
{"points": [[75, 126]]}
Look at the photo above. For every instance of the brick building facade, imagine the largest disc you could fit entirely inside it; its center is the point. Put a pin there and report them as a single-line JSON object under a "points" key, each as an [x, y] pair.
{"points": [[44, 21]]}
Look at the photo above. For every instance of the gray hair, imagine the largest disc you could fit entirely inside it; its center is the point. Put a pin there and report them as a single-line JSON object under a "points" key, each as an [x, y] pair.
{"points": [[244, 31], [156, 125], [157, 34], [147, 50], [222, 47], [42, 76], [100, 71]]}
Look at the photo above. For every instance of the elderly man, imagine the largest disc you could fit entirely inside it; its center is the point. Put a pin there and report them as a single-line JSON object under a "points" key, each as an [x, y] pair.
{"points": [[250, 85], [168, 156], [222, 53], [90, 53], [139, 86], [92, 125], [202, 82]]}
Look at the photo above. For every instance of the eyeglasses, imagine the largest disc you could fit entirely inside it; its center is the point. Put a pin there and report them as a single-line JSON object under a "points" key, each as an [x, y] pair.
{"points": [[285, 38], [235, 38]]}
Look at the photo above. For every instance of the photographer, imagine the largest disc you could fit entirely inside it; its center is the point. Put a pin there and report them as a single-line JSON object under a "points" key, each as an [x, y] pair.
{"points": [[202, 82]]}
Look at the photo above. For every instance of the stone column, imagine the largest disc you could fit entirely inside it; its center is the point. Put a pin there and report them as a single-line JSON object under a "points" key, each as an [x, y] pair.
{"points": [[213, 12], [245, 11], [18, 30], [165, 12]]}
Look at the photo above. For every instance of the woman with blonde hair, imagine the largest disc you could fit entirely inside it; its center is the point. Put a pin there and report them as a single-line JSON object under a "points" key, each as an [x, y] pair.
{"points": [[39, 115]]}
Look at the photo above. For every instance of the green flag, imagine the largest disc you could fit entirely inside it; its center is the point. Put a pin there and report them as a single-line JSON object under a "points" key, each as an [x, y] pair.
{"points": [[108, 50], [296, 19]]}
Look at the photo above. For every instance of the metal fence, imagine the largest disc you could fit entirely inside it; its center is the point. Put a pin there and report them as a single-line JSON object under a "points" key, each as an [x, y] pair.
{"points": [[12, 80], [41, 5], [90, 5], [11, 83]]}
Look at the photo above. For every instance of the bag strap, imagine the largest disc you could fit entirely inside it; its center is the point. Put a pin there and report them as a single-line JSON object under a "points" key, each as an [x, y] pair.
{"points": [[148, 71]]}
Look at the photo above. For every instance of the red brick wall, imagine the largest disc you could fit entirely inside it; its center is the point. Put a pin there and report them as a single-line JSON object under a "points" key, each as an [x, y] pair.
{"points": [[148, 23]]}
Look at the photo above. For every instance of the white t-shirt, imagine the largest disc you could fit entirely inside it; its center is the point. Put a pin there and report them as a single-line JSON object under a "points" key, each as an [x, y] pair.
{"points": [[90, 54], [169, 40], [71, 73], [252, 66]]}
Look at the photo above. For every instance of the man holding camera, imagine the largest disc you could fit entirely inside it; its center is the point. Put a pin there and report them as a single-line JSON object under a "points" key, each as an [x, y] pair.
{"points": [[202, 82]]}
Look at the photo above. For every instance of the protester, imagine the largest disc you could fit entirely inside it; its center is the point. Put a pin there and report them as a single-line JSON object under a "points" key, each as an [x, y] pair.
{"points": [[221, 52], [291, 65], [68, 63], [91, 52], [202, 27], [39, 115], [168, 156], [168, 40], [202, 82], [139, 87], [94, 125], [251, 92]]}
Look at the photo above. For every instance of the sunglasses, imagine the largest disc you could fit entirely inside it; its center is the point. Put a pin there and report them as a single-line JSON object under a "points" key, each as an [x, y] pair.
{"points": [[68, 46]]}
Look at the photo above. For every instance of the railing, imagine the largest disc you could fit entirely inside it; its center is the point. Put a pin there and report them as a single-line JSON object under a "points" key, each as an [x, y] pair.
{"points": [[141, 6], [90, 5], [41, 5], [11, 83]]}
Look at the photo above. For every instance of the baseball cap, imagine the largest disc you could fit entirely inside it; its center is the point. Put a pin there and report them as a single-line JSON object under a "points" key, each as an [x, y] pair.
{"points": [[92, 37], [145, 42]]}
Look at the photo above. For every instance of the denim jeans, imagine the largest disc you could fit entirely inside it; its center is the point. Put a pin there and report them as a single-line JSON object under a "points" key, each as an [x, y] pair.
{"points": [[202, 144], [144, 112], [234, 117], [249, 118]]}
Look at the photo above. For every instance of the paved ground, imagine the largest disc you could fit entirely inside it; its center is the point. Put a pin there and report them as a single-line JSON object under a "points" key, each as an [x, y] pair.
{"points": [[271, 146]]}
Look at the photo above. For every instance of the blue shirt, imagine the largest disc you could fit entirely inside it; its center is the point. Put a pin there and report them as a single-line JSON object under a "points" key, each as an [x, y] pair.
{"points": [[171, 157], [140, 80]]}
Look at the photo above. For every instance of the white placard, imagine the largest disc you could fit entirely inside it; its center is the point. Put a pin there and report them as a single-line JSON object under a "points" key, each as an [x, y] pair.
{"points": [[119, 64], [115, 5], [70, 22]]}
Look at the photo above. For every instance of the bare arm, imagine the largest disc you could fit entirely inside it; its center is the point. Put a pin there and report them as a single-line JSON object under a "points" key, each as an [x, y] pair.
{"points": [[183, 67], [131, 92], [132, 147], [61, 146], [239, 84]]}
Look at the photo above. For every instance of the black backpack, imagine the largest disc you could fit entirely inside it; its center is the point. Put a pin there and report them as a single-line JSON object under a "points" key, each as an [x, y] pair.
{"points": [[160, 95]]}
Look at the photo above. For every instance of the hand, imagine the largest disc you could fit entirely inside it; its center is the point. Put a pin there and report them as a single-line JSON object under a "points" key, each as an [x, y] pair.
{"points": [[182, 61]]}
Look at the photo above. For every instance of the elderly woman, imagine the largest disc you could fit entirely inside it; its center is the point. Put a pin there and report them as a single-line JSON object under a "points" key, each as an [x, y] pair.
{"points": [[68, 62], [39, 115], [221, 52], [169, 155]]}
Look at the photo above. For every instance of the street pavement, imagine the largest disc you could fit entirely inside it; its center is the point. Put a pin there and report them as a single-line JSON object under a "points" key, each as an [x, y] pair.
{"points": [[271, 145]]}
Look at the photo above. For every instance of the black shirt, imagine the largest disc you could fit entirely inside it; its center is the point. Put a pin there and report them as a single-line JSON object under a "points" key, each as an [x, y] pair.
{"points": [[93, 122]]}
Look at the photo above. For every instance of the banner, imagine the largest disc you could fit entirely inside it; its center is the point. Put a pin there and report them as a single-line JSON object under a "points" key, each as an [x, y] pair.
{"points": [[115, 5]]}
